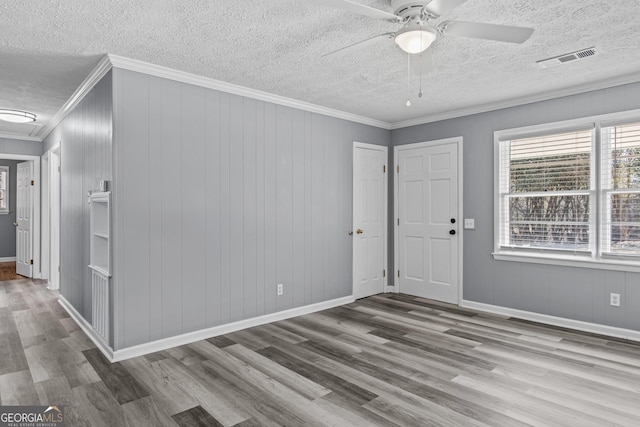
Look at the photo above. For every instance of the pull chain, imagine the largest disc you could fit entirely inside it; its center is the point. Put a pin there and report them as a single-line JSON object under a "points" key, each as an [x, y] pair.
{"points": [[421, 60], [408, 104]]}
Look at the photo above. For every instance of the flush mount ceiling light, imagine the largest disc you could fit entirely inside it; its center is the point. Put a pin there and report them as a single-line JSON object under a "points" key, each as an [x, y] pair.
{"points": [[415, 39], [17, 116]]}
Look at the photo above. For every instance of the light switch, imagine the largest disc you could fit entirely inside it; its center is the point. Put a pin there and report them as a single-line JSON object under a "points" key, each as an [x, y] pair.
{"points": [[469, 223]]}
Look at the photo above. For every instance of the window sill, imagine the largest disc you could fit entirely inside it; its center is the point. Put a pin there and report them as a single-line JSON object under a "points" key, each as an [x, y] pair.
{"points": [[5, 212], [569, 261]]}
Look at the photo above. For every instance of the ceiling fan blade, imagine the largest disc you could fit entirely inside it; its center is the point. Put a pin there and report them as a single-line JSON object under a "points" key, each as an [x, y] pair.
{"points": [[358, 45], [440, 7], [361, 9], [501, 33]]}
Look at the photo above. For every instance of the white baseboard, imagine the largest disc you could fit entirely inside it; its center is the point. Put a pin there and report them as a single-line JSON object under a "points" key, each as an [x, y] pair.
{"points": [[163, 344], [87, 328], [391, 289], [8, 259], [579, 325]]}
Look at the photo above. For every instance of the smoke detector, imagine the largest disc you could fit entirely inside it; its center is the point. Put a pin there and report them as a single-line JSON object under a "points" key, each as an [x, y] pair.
{"points": [[568, 57]]}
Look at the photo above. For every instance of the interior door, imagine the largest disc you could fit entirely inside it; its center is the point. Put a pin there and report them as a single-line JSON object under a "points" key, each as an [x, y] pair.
{"points": [[369, 219], [24, 219], [427, 223]]}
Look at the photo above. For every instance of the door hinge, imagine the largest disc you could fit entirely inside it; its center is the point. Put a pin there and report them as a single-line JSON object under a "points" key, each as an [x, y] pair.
{"points": [[384, 273], [31, 262], [33, 182], [398, 221], [398, 168], [384, 168], [58, 168], [58, 269], [398, 273]]}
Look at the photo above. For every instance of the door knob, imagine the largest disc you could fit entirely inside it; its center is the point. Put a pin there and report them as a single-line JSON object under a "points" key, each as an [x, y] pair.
{"points": [[359, 231], [452, 232], [15, 223]]}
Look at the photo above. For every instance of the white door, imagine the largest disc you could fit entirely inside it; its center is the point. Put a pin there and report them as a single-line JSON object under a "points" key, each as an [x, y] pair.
{"points": [[369, 219], [428, 223], [24, 220]]}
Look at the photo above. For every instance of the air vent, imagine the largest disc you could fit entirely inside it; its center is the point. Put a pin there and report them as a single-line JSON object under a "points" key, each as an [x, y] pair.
{"points": [[567, 57]]}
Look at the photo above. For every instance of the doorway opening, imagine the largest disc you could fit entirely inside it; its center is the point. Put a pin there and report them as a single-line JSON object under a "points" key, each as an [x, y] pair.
{"points": [[22, 230]]}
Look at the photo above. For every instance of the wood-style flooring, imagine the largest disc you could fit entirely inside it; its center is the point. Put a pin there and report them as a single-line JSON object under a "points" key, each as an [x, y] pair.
{"points": [[8, 271], [382, 361]]}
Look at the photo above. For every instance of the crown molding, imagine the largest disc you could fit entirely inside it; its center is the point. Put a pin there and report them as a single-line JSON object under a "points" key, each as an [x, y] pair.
{"points": [[92, 79], [20, 137], [110, 61], [209, 83], [523, 100]]}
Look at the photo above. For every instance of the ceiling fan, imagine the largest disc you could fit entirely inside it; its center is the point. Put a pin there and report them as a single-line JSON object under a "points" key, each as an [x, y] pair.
{"points": [[418, 32]]}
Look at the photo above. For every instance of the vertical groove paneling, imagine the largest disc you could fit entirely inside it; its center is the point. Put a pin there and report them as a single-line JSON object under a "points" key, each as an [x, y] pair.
{"points": [[213, 207], [308, 212], [249, 194], [193, 208], [297, 286], [135, 201], [156, 192], [316, 228], [284, 204], [236, 209], [86, 142], [171, 211], [331, 206], [271, 166], [225, 277], [261, 225]]}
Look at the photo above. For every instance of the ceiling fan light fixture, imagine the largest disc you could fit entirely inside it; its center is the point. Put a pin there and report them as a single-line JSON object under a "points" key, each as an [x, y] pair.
{"points": [[415, 40], [17, 116]]}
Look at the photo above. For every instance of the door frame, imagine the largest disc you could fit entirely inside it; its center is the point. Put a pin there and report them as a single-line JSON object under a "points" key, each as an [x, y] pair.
{"points": [[458, 140], [385, 150], [50, 189], [35, 240]]}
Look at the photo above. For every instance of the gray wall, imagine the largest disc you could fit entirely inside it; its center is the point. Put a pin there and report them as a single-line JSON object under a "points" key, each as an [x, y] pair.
{"points": [[15, 146], [218, 198], [7, 229], [85, 138], [574, 293]]}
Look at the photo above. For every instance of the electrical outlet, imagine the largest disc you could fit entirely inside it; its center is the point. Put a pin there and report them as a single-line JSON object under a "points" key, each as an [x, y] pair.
{"points": [[280, 289], [614, 300], [469, 223]]}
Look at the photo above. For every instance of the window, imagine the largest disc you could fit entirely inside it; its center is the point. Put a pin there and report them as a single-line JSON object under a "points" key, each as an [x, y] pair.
{"points": [[4, 189], [570, 191], [621, 189]]}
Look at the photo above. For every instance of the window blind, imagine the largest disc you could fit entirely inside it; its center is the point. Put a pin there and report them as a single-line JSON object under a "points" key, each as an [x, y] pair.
{"points": [[620, 184], [546, 191]]}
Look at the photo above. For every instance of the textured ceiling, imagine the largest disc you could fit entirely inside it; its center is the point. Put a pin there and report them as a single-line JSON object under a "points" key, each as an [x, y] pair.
{"points": [[48, 48]]}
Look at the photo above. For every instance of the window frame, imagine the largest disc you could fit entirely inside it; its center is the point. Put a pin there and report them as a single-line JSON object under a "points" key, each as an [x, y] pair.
{"points": [[595, 257], [5, 170]]}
